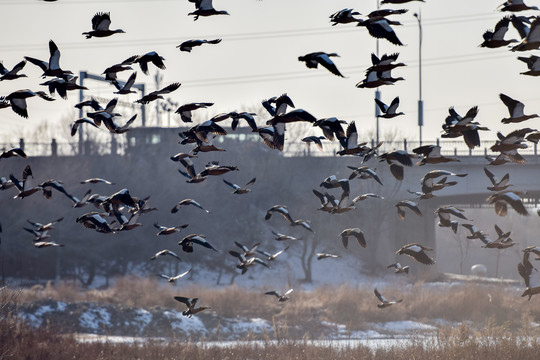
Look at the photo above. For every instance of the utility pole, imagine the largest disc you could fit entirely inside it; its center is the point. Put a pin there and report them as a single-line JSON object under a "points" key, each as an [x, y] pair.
{"points": [[377, 92], [420, 101], [158, 77]]}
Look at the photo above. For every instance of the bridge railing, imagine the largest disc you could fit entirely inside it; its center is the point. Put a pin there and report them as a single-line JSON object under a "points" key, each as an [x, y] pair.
{"points": [[292, 148]]}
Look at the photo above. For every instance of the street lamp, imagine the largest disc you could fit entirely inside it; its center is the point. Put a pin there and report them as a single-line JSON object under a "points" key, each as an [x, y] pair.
{"points": [[420, 101], [377, 92]]}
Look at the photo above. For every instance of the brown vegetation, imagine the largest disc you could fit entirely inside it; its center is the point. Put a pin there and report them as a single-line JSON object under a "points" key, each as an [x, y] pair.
{"points": [[353, 307]]}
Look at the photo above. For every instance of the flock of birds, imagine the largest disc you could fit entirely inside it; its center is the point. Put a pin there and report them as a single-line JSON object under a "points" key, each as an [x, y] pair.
{"points": [[125, 209]]}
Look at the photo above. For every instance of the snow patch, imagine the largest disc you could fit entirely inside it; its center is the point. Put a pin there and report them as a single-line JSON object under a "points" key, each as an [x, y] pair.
{"points": [[404, 326], [95, 319], [239, 327], [142, 319], [186, 325], [36, 318]]}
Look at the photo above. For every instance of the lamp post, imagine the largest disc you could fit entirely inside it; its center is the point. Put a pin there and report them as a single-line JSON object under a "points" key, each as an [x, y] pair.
{"points": [[377, 92], [420, 101]]}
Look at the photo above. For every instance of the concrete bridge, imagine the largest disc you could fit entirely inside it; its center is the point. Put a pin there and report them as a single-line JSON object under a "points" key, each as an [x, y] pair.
{"points": [[306, 169]]}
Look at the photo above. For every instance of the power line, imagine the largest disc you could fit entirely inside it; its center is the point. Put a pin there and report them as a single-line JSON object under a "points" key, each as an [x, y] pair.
{"points": [[240, 36]]}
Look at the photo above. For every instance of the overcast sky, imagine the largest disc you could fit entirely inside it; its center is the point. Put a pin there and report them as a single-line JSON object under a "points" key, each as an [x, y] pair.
{"points": [[258, 56]]}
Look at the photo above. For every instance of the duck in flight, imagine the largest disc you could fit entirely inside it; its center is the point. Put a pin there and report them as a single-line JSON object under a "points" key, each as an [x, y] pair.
{"points": [[51, 68], [100, 26], [383, 302], [205, 8], [12, 74], [313, 59], [188, 45], [17, 100], [389, 112]]}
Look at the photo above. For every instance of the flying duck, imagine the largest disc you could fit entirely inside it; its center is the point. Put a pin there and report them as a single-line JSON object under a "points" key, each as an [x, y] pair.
{"points": [[190, 303], [315, 58], [240, 189], [366, 196], [364, 172], [525, 269], [93, 220], [205, 8], [163, 253], [111, 73], [246, 262], [186, 109], [532, 40], [475, 233], [455, 126], [168, 230], [382, 13], [516, 110], [16, 151], [417, 252], [533, 64], [44, 227], [495, 39], [281, 209], [401, 205], [357, 233], [428, 184], [344, 16], [396, 160], [374, 79], [306, 224], [379, 27], [502, 199], [350, 142], [77, 123], [399, 269], [283, 237], [187, 242], [97, 181], [17, 100], [51, 68], [24, 186], [214, 169], [187, 202], [314, 139], [497, 185], [143, 61], [154, 95], [42, 244], [63, 85], [190, 44], [445, 212], [431, 155], [272, 257], [281, 103], [331, 127], [100, 26], [383, 302], [515, 5], [172, 279], [385, 63], [321, 256], [82, 202], [38, 235], [126, 88], [389, 111], [191, 174], [281, 298], [12, 74]]}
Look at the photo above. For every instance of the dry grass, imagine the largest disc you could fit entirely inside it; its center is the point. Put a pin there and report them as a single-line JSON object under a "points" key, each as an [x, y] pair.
{"points": [[460, 343], [353, 307]]}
